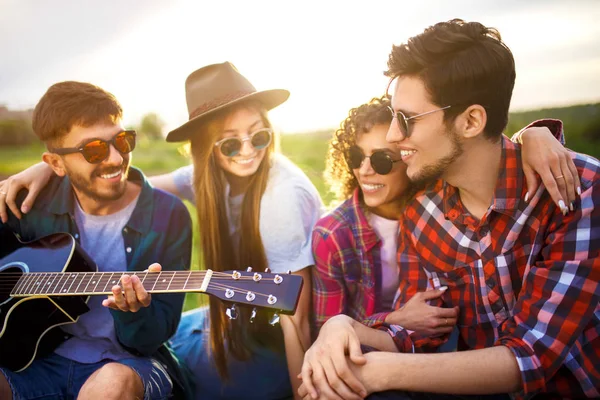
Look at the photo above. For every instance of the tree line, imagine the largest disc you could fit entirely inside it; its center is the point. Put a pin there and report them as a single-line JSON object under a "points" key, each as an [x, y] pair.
{"points": [[581, 122]]}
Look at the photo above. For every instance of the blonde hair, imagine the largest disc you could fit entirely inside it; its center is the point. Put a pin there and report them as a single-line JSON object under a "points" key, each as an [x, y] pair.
{"points": [[217, 248]]}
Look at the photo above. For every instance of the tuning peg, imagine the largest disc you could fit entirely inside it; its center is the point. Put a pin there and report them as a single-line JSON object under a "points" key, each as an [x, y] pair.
{"points": [[249, 269], [274, 319], [253, 315], [232, 312], [267, 270]]}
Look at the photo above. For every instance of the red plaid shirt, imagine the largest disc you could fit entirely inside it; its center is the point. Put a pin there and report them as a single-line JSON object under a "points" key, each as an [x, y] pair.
{"points": [[524, 276], [347, 272]]}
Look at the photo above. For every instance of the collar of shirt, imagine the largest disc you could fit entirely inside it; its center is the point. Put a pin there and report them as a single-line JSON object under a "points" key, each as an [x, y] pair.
{"points": [[63, 201], [508, 195], [362, 230]]}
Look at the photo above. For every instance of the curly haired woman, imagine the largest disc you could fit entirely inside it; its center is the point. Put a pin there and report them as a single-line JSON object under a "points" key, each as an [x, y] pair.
{"points": [[355, 244]]}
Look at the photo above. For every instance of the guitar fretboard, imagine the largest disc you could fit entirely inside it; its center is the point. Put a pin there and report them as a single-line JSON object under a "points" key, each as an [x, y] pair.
{"points": [[100, 283]]}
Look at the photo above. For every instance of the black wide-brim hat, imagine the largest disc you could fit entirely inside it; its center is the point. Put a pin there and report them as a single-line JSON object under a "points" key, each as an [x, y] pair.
{"points": [[215, 87]]}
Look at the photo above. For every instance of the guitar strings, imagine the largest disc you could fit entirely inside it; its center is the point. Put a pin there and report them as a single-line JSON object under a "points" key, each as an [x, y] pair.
{"points": [[189, 278]]}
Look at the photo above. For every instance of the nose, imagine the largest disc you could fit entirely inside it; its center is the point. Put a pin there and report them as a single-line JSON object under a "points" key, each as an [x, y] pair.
{"points": [[247, 147], [394, 134], [114, 156], [366, 168]]}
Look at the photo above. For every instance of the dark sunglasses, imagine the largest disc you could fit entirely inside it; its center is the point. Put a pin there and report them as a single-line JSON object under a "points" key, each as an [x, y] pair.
{"points": [[97, 150], [232, 146], [381, 161]]}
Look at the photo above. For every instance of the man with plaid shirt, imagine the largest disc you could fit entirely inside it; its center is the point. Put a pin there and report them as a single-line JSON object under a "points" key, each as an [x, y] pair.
{"points": [[524, 272]]}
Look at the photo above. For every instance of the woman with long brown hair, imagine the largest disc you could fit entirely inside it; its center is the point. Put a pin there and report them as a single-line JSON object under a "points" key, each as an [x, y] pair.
{"points": [[255, 208]]}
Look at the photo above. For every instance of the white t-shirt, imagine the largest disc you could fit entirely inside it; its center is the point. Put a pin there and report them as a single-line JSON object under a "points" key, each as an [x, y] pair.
{"points": [[289, 209], [387, 231]]}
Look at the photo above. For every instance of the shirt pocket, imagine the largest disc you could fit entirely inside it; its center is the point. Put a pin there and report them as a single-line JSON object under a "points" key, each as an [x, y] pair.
{"points": [[482, 289]]}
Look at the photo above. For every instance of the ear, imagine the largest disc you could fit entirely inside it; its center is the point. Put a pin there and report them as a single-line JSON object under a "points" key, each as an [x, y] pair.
{"points": [[472, 121], [55, 162]]}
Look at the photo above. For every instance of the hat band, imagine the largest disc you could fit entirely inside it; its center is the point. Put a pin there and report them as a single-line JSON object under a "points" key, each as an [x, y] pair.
{"points": [[218, 102]]}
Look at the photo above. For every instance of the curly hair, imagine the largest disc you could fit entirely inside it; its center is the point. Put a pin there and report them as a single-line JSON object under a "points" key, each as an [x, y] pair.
{"points": [[362, 119]]}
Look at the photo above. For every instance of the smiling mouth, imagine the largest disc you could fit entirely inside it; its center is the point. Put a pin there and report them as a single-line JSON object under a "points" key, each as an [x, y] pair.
{"points": [[111, 176], [406, 153], [367, 187], [245, 161]]}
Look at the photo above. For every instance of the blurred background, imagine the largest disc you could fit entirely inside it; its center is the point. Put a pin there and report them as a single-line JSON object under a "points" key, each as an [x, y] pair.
{"points": [[330, 54]]}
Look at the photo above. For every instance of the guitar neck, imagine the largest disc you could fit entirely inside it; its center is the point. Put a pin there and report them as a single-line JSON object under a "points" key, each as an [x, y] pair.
{"points": [[101, 283]]}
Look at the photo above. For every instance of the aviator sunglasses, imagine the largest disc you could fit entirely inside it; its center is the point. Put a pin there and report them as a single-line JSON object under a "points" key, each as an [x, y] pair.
{"points": [[231, 147], [97, 150], [402, 121], [381, 161]]}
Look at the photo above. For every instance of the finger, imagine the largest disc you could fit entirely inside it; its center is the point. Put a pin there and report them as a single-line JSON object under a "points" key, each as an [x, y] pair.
{"points": [[570, 187], [3, 213], [11, 196], [110, 303], [345, 383], [156, 267], [130, 295], [433, 294], [119, 299], [533, 182], [306, 373], [143, 297], [574, 174], [355, 352], [329, 384], [445, 312], [34, 191], [553, 189]]}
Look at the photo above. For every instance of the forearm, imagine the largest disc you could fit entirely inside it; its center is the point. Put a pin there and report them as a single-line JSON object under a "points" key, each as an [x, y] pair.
{"points": [[375, 338], [485, 371], [165, 182]]}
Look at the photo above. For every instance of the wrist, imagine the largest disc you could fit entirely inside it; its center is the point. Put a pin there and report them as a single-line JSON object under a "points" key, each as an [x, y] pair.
{"points": [[377, 374]]}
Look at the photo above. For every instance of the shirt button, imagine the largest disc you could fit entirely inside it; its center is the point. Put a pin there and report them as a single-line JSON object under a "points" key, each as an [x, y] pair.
{"points": [[77, 236], [128, 249], [125, 230], [483, 231]]}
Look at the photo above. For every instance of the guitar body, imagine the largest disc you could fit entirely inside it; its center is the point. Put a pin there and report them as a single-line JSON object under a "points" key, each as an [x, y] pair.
{"points": [[29, 326]]}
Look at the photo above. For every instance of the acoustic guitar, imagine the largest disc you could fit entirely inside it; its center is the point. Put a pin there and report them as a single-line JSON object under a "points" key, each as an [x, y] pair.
{"points": [[46, 283]]}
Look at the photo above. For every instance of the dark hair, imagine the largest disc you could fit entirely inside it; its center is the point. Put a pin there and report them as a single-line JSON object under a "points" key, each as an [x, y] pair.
{"points": [[66, 104], [461, 64], [362, 119]]}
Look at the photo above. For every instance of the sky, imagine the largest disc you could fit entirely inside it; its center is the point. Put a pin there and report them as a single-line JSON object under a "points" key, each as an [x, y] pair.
{"points": [[330, 54]]}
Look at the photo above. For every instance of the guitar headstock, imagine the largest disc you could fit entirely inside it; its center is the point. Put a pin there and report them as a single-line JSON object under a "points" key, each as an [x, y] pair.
{"points": [[279, 292]]}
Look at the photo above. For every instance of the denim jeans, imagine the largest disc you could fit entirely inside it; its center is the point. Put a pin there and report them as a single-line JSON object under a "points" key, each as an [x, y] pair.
{"points": [[58, 378], [264, 376]]}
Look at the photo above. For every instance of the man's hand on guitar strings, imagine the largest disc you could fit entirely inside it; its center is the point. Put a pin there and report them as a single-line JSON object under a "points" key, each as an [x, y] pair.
{"points": [[132, 296]]}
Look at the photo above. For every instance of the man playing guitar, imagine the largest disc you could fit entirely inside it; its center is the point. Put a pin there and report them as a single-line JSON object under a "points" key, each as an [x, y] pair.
{"points": [[124, 225]]}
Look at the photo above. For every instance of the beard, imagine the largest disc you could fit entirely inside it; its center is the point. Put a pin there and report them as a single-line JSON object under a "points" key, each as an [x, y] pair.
{"points": [[433, 172], [85, 185]]}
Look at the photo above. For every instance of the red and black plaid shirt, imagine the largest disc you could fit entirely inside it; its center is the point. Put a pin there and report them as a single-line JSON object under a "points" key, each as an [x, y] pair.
{"points": [[524, 276]]}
